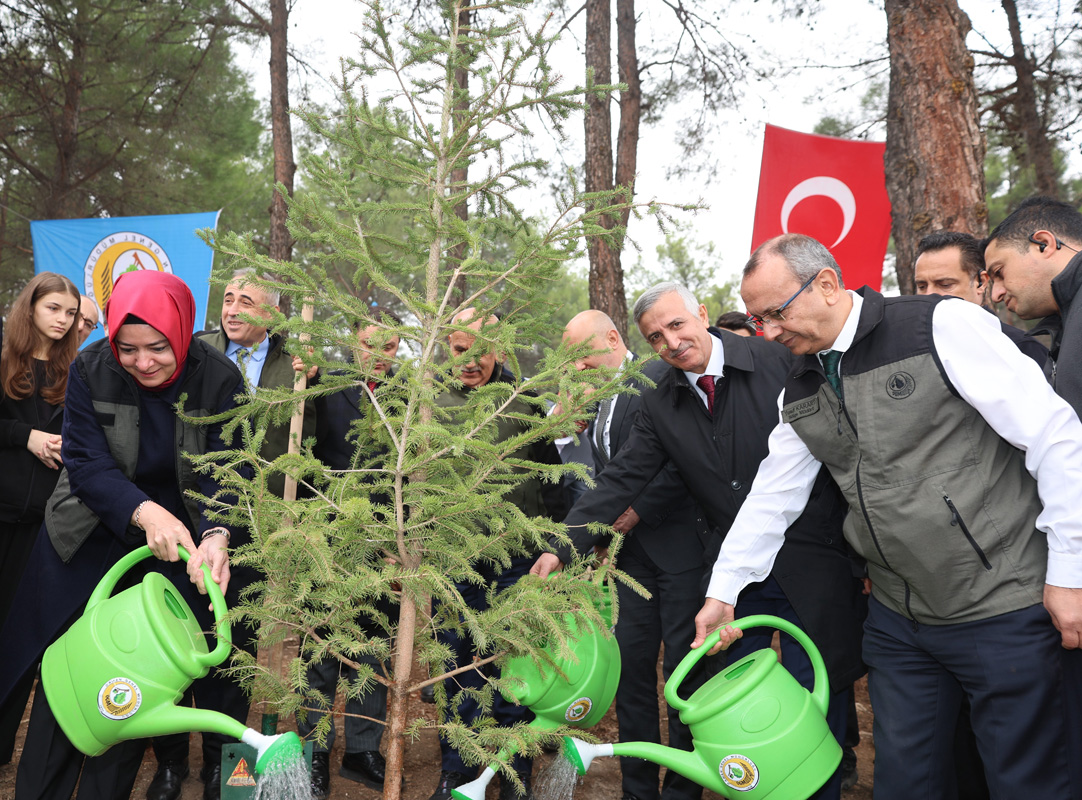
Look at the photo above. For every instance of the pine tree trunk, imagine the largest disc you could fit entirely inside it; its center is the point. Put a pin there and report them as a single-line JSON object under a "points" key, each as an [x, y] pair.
{"points": [[60, 201], [606, 274], [460, 174], [1038, 150], [398, 697], [935, 148], [281, 244]]}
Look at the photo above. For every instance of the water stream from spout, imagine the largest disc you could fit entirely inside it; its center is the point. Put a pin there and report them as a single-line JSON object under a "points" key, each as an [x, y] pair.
{"points": [[557, 781], [288, 780]]}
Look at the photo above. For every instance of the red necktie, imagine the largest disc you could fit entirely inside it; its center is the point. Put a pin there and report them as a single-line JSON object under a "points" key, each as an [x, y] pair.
{"points": [[372, 386], [706, 383]]}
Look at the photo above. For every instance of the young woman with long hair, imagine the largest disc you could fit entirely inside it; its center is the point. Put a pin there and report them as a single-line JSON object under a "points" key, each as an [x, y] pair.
{"points": [[40, 341]]}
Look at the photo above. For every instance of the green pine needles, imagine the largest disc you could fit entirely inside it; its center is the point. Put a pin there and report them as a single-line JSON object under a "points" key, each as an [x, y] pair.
{"points": [[443, 483]]}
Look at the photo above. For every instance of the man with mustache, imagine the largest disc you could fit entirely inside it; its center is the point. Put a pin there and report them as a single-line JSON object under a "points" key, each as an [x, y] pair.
{"points": [[337, 439], [709, 417], [532, 496]]}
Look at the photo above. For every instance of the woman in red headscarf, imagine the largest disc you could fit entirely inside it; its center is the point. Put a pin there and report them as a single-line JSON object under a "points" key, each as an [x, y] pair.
{"points": [[126, 482]]}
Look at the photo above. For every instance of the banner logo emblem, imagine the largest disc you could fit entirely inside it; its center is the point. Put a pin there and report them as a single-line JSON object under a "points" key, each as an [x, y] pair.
{"points": [[117, 253]]}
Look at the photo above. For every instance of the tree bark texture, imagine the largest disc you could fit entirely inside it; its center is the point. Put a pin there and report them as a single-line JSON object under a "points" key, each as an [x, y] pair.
{"points": [[935, 148], [606, 274], [1038, 150], [58, 204], [281, 243], [460, 173]]}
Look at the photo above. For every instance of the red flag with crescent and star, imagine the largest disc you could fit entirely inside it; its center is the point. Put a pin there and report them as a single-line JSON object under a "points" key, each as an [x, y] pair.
{"points": [[833, 190]]}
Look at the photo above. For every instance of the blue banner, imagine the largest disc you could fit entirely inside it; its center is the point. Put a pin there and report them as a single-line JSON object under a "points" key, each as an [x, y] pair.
{"points": [[93, 252]]}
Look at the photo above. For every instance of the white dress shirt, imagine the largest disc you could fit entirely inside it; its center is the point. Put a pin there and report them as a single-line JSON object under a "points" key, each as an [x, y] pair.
{"points": [[612, 409], [990, 373], [715, 366]]}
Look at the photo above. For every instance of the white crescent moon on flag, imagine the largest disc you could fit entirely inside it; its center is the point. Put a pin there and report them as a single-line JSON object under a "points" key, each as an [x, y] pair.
{"points": [[827, 187]]}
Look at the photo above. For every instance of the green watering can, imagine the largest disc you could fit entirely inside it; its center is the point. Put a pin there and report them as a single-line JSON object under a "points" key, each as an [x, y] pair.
{"points": [[756, 732], [575, 690], [119, 670]]}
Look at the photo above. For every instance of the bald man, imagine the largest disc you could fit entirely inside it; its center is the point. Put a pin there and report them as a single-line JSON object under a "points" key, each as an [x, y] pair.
{"points": [[88, 318], [532, 496], [664, 553]]}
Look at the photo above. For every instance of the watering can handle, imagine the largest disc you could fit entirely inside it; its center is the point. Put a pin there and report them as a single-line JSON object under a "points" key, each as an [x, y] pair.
{"points": [[225, 639], [820, 694]]}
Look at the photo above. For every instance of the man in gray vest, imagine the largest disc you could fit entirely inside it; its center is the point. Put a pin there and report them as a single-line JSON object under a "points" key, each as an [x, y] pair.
{"points": [[961, 468]]}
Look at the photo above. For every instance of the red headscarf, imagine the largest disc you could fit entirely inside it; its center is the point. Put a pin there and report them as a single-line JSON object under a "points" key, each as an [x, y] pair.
{"points": [[161, 300]]}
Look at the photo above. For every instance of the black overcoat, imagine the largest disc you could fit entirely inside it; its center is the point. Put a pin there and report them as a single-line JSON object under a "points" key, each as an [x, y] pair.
{"points": [[717, 459]]}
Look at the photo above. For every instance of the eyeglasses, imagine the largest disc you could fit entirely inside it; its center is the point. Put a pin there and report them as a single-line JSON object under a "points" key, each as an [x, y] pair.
{"points": [[88, 326], [777, 316]]}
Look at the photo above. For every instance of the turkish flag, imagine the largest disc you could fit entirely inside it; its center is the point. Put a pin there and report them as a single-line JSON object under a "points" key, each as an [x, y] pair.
{"points": [[833, 190]]}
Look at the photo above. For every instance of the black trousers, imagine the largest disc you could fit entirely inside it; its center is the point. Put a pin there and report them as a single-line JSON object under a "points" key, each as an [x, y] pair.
{"points": [[215, 691], [16, 542], [667, 617], [51, 766]]}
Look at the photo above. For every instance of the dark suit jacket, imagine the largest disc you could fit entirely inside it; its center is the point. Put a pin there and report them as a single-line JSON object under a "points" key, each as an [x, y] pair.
{"points": [[335, 415], [717, 458], [668, 517]]}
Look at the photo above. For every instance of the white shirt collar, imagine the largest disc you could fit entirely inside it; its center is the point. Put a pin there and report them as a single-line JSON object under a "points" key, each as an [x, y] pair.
{"points": [[849, 329], [257, 351], [715, 365]]}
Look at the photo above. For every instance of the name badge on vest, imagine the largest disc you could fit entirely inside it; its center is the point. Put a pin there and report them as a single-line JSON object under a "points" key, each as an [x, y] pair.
{"points": [[802, 408]]}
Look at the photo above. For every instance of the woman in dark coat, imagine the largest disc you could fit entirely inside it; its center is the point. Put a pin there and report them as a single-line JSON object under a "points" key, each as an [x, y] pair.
{"points": [[41, 343], [123, 485]]}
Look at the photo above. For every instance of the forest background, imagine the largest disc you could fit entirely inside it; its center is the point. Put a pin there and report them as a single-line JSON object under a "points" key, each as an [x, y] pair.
{"points": [[179, 119], [119, 107]]}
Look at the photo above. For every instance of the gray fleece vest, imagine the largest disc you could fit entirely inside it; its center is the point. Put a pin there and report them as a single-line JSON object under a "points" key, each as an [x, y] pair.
{"points": [[941, 507], [68, 520]]}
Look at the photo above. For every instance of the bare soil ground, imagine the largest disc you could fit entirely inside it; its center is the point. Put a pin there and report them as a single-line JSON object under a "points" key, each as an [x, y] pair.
{"points": [[423, 764]]}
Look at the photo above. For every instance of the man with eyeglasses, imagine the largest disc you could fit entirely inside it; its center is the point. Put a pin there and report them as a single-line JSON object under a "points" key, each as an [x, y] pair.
{"points": [[960, 466], [1035, 270], [88, 318], [706, 423]]}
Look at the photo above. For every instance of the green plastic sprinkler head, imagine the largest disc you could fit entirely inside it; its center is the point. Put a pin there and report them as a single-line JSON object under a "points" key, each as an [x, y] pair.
{"points": [[274, 753], [582, 754], [475, 789]]}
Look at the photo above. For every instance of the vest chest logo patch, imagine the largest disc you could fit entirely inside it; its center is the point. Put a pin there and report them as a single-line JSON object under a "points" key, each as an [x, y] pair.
{"points": [[799, 409], [900, 385]]}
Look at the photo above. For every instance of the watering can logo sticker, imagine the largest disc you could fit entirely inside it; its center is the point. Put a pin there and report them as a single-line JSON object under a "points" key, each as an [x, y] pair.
{"points": [[739, 773], [579, 709], [119, 698]]}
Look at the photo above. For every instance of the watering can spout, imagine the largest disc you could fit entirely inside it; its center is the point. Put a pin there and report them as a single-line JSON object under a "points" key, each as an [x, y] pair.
{"points": [[581, 754], [273, 753]]}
